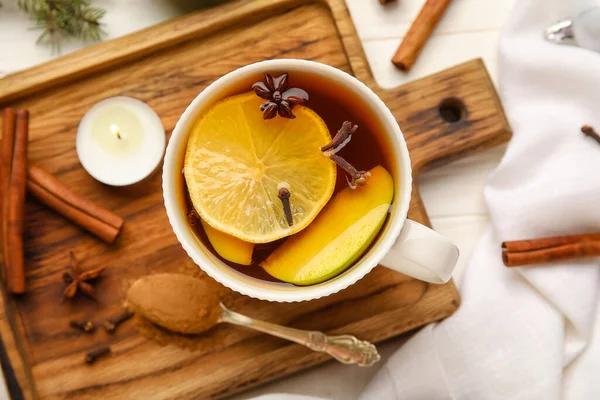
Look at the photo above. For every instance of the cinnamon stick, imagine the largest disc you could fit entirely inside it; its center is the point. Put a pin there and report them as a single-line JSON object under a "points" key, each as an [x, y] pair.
{"points": [[551, 249], [419, 32], [6, 156], [8, 137], [82, 211], [14, 207]]}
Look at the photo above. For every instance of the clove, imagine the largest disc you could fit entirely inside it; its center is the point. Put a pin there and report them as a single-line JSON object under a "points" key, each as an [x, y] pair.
{"points": [[84, 326], [94, 355], [193, 217], [341, 139], [284, 196], [591, 132], [358, 178], [113, 322]]}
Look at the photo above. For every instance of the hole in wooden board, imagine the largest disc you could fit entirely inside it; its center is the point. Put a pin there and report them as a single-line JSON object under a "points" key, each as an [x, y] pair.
{"points": [[452, 109]]}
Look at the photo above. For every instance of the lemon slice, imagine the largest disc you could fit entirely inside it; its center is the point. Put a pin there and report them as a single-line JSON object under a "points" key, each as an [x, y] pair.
{"points": [[236, 162]]}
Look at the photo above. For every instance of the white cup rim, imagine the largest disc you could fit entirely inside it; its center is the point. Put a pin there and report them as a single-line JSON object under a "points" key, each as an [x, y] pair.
{"points": [[244, 284]]}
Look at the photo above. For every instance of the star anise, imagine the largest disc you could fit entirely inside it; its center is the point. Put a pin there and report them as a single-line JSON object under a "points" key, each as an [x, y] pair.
{"points": [[79, 281], [281, 100]]}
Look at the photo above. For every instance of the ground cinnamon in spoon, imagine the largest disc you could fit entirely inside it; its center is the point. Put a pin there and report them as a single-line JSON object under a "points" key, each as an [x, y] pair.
{"points": [[176, 302]]}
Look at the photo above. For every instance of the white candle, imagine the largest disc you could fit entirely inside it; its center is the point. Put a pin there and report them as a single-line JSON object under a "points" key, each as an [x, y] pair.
{"points": [[120, 141]]}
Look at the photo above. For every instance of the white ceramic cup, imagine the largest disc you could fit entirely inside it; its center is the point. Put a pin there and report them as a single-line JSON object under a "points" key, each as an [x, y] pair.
{"points": [[403, 245]]}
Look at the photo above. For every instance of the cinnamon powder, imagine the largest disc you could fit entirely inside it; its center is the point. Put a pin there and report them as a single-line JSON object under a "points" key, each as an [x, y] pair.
{"points": [[165, 337], [176, 302]]}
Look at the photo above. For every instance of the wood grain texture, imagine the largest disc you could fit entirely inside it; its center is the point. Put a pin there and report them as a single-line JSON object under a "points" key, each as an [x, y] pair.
{"points": [[467, 88], [167, 66]]}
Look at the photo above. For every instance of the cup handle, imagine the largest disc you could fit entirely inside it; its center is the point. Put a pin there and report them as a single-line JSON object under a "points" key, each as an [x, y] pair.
{"points": [[422, 253]]}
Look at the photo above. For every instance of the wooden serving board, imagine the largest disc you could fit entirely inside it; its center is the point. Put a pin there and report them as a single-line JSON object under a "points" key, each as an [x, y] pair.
{"points": [[167, 66]]}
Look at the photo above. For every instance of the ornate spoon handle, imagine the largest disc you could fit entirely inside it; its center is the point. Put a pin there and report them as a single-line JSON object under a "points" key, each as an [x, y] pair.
{"points": [[345, 348]]}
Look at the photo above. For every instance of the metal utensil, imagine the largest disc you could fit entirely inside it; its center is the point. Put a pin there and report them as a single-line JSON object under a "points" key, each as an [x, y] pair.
{"points": [[582, 30], [345, 348]]}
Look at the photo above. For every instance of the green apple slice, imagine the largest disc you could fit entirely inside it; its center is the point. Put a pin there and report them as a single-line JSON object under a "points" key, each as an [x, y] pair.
{"points": [[339, 235]]}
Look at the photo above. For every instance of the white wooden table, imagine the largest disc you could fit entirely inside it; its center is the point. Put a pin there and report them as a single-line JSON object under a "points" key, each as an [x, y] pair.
{"points": [[453, 195]]}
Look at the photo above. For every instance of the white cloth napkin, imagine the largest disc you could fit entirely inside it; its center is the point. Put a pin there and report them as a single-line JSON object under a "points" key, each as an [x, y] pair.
{"points": [[524, 333]]}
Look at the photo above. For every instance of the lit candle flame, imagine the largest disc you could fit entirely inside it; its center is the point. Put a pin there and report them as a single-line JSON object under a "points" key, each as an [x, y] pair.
{"points": [[114, 129]]}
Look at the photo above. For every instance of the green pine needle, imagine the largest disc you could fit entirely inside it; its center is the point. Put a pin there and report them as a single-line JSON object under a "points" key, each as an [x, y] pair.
{"points": [[62, 19]]}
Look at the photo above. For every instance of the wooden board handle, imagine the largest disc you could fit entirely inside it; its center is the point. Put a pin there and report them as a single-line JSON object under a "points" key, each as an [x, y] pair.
{"points": [[449, 114], [443, 116]]}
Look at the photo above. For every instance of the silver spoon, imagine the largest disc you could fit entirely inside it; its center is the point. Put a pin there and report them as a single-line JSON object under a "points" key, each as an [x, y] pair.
{"points": [[582, 30], [345, 348], [187, 305]]}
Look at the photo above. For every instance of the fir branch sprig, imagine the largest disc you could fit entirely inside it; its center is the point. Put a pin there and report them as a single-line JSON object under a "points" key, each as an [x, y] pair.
{"points": [[60, 19]]}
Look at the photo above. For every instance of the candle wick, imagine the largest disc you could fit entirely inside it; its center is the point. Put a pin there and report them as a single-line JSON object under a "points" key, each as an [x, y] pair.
{"points": [[116, 131]]}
